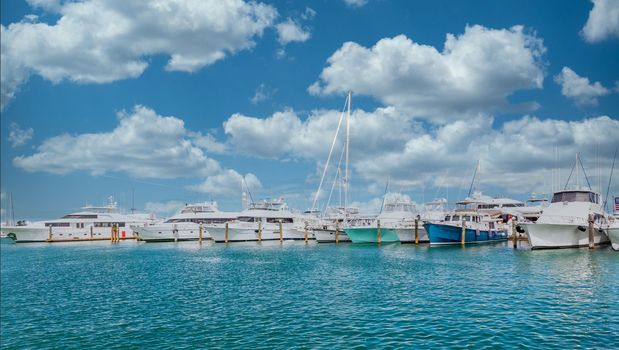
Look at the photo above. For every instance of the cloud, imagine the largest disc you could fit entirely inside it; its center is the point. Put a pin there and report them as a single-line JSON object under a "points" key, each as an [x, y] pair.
{"points": [[603, 21], [97, 41], [476, 71], [19, 137], [291, 31], [143, 145], [228, 182], [164, 209], [49, 5], [309, 14], [388, 143], [578, 88], [356, 3], [262, 94]]}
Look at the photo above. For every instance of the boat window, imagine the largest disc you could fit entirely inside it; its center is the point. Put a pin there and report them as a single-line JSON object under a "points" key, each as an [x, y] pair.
{"points": [[574, 197], [57, 224], [447, 218], [466, 218], [455, 218], [80, 216], [491, 225], [109, 224], [277, 220], [246, 219]]}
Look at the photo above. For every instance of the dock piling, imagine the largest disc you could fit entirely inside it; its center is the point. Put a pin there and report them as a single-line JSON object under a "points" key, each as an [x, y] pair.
{"points": [[378, 229], [49, 238], [514, 232], [226, 238], [590, 229], [337, 232], [200, 234], [463, 239], [305, 237], [281, 232], [260, 231], [91, 235], [417, 231]]}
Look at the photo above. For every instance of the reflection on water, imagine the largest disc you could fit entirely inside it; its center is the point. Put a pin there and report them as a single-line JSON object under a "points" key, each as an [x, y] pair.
{"points": [[102, 295]]}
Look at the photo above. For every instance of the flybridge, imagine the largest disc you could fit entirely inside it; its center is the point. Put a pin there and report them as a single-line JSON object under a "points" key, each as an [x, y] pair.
{"points": [[576, 196]]}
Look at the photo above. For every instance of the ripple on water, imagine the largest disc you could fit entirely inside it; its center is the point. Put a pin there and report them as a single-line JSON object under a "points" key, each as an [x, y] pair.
{"points": [[187, 295]]}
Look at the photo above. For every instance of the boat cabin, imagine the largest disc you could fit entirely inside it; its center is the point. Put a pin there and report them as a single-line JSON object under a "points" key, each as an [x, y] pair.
{"points": [[576, 196]]}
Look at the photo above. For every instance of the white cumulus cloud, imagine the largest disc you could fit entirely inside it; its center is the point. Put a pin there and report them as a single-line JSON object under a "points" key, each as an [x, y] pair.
{"points": [[291, 31], [603, 21], [579, 88], [18, 136], [144, 145], [356, 3], [476, 71], [100, 41], [227, 182]]}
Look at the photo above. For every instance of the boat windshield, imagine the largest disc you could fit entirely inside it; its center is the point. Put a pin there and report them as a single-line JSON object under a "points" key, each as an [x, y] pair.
{"points": [[576, 197], [80, 216]]}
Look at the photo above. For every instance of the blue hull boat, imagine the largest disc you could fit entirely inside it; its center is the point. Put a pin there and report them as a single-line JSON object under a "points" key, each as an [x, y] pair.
{"points": [[450, 234]]}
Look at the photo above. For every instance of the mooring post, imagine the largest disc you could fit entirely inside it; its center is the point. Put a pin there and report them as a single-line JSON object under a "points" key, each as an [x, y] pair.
{"points": [[417, 231], [463, 239], [200, 234], [49, 238], [281, 232], [591, 238], [305, 237], [259, 231], [514, 232], [91, 236], [337, 232], [226, 238], [378, 229]]}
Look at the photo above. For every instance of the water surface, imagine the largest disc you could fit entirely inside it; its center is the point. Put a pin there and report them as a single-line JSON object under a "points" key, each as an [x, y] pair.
{"points": [[183, 295]]}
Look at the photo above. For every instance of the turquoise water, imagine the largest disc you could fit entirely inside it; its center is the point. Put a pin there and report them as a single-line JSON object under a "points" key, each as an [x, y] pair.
{"points": [[183, 295]]}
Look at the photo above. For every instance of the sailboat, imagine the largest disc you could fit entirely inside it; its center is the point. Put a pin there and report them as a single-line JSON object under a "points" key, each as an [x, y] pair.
{"points": [[331, 228]]}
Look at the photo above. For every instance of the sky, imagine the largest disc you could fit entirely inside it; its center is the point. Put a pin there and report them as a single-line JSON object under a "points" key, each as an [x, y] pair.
{"points": [[161, 103]]}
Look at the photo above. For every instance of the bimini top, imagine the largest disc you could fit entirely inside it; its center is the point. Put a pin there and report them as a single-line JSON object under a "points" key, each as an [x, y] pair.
{"points": [[576, 196]]}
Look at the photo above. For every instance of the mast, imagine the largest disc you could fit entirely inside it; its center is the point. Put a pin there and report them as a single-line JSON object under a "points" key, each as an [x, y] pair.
{"points": [[132, 200], [346, 174], [473, 181], [12, 209]]}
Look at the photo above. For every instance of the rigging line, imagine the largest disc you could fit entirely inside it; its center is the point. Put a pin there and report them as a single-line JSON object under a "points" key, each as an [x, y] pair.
{"points": [[584, 172], [384, 196], [337, 174], [610, 178], [473, 181], [570, 176], [324, 172]]}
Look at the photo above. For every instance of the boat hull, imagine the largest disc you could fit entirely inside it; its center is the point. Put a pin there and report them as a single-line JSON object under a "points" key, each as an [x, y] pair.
{"points": [[441, 234], [328, 236], [554, 236], [407, 235], [25, 234], [250, 234], [170, 234], [370, 235], [613, 235]]}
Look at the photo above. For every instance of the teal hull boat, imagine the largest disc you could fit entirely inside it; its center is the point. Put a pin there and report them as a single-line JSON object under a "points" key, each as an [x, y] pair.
{"points": [[370, 235]]}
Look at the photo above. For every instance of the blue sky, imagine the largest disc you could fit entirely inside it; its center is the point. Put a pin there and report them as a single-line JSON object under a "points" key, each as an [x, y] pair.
{"points": [[176, 103]]}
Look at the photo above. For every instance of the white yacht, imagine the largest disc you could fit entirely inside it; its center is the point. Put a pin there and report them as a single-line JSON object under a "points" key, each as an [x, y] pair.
{"points": [[267, 220], [185, 226], [564, 223], [330, 229], [400, 215], [90, 223]]}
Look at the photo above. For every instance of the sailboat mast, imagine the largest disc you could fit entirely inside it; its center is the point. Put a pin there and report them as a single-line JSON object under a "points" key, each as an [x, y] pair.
{"points": [[346, 174]]}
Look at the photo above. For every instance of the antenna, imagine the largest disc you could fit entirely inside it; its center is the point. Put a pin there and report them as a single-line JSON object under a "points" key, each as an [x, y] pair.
{"points": [[12, 209], [132, 200]]}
